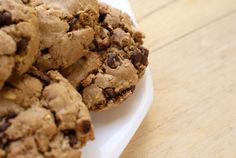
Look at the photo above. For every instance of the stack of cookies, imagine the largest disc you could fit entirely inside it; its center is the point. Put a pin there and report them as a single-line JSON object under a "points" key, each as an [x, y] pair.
{"points": [[58, 61]]}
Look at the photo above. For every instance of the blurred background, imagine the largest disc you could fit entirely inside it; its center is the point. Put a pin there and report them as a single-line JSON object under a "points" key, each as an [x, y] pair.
{"points": [[193, 62]]}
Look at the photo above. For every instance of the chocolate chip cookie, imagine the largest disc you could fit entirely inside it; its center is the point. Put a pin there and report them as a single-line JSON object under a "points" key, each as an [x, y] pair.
{"points": [[108, 74], [42, 119], [19, 38], [66, 29]]}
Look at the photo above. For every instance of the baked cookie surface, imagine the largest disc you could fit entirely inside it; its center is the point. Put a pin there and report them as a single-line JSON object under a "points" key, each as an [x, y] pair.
{"points": [[108, 74], [66, 31], [42, 119], [19, 38]]}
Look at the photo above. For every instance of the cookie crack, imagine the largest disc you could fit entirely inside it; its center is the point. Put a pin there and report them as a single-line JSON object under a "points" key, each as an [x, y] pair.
{"points": [[38, 147]]}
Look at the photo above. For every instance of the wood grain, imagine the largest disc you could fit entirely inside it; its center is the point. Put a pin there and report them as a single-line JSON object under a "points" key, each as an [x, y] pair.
{"points": [[194, 71], [181, 18], [145, 9]]}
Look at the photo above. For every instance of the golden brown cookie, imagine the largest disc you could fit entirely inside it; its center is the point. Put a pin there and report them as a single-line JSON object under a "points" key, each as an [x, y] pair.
{"points": [[66, 29], [116, 61], [19, 38], [42, 119]]}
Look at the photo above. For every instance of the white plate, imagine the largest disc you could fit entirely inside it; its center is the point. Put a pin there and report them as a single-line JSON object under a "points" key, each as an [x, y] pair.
{"points": [[114, 128]]}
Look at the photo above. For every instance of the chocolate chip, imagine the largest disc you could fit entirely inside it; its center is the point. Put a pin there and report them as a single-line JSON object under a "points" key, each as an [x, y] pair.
{"points": [[4, 126], [145, 53], [102, 17], [113, 60], [4, 142], [57, 121], [68, 132], [45, 51], [109, 93], [132, 88], [72, 140], [5, 18], [94, 72], [72, 23], [80, 88], [22, 44], [72, 136], [86, 126], [125, 91], [136, 57], [2, 135], [84, 58], [11, 115], [25, 1]]}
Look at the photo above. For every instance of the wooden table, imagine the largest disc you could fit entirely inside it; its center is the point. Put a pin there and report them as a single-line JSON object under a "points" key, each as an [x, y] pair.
{"points": [[193, 63]]}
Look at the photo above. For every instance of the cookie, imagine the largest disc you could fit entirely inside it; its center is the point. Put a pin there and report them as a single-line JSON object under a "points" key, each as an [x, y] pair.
{"points": [[42, 119], [19, 38], [7, 64], [109, 73], [66, 31]]}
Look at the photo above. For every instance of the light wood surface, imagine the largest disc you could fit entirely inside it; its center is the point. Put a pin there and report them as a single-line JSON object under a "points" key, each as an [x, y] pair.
{"points": [[193, 63]]}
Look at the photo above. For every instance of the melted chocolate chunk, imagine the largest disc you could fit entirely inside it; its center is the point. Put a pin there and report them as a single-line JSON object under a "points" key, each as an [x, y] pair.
{"points": [[86, 126], [102, 17], [95, 72], [3, 141], [140, 56], [5, 18], [132, 88], [113, 60], [11, 115], [45, 51], [72, 140], [136, 57], [4, 126], [84, 58], [72, 137], [80, 88], [22, 45], [72, 23], [109, 93], [145, 53], [124, 91], [25, 1]]}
